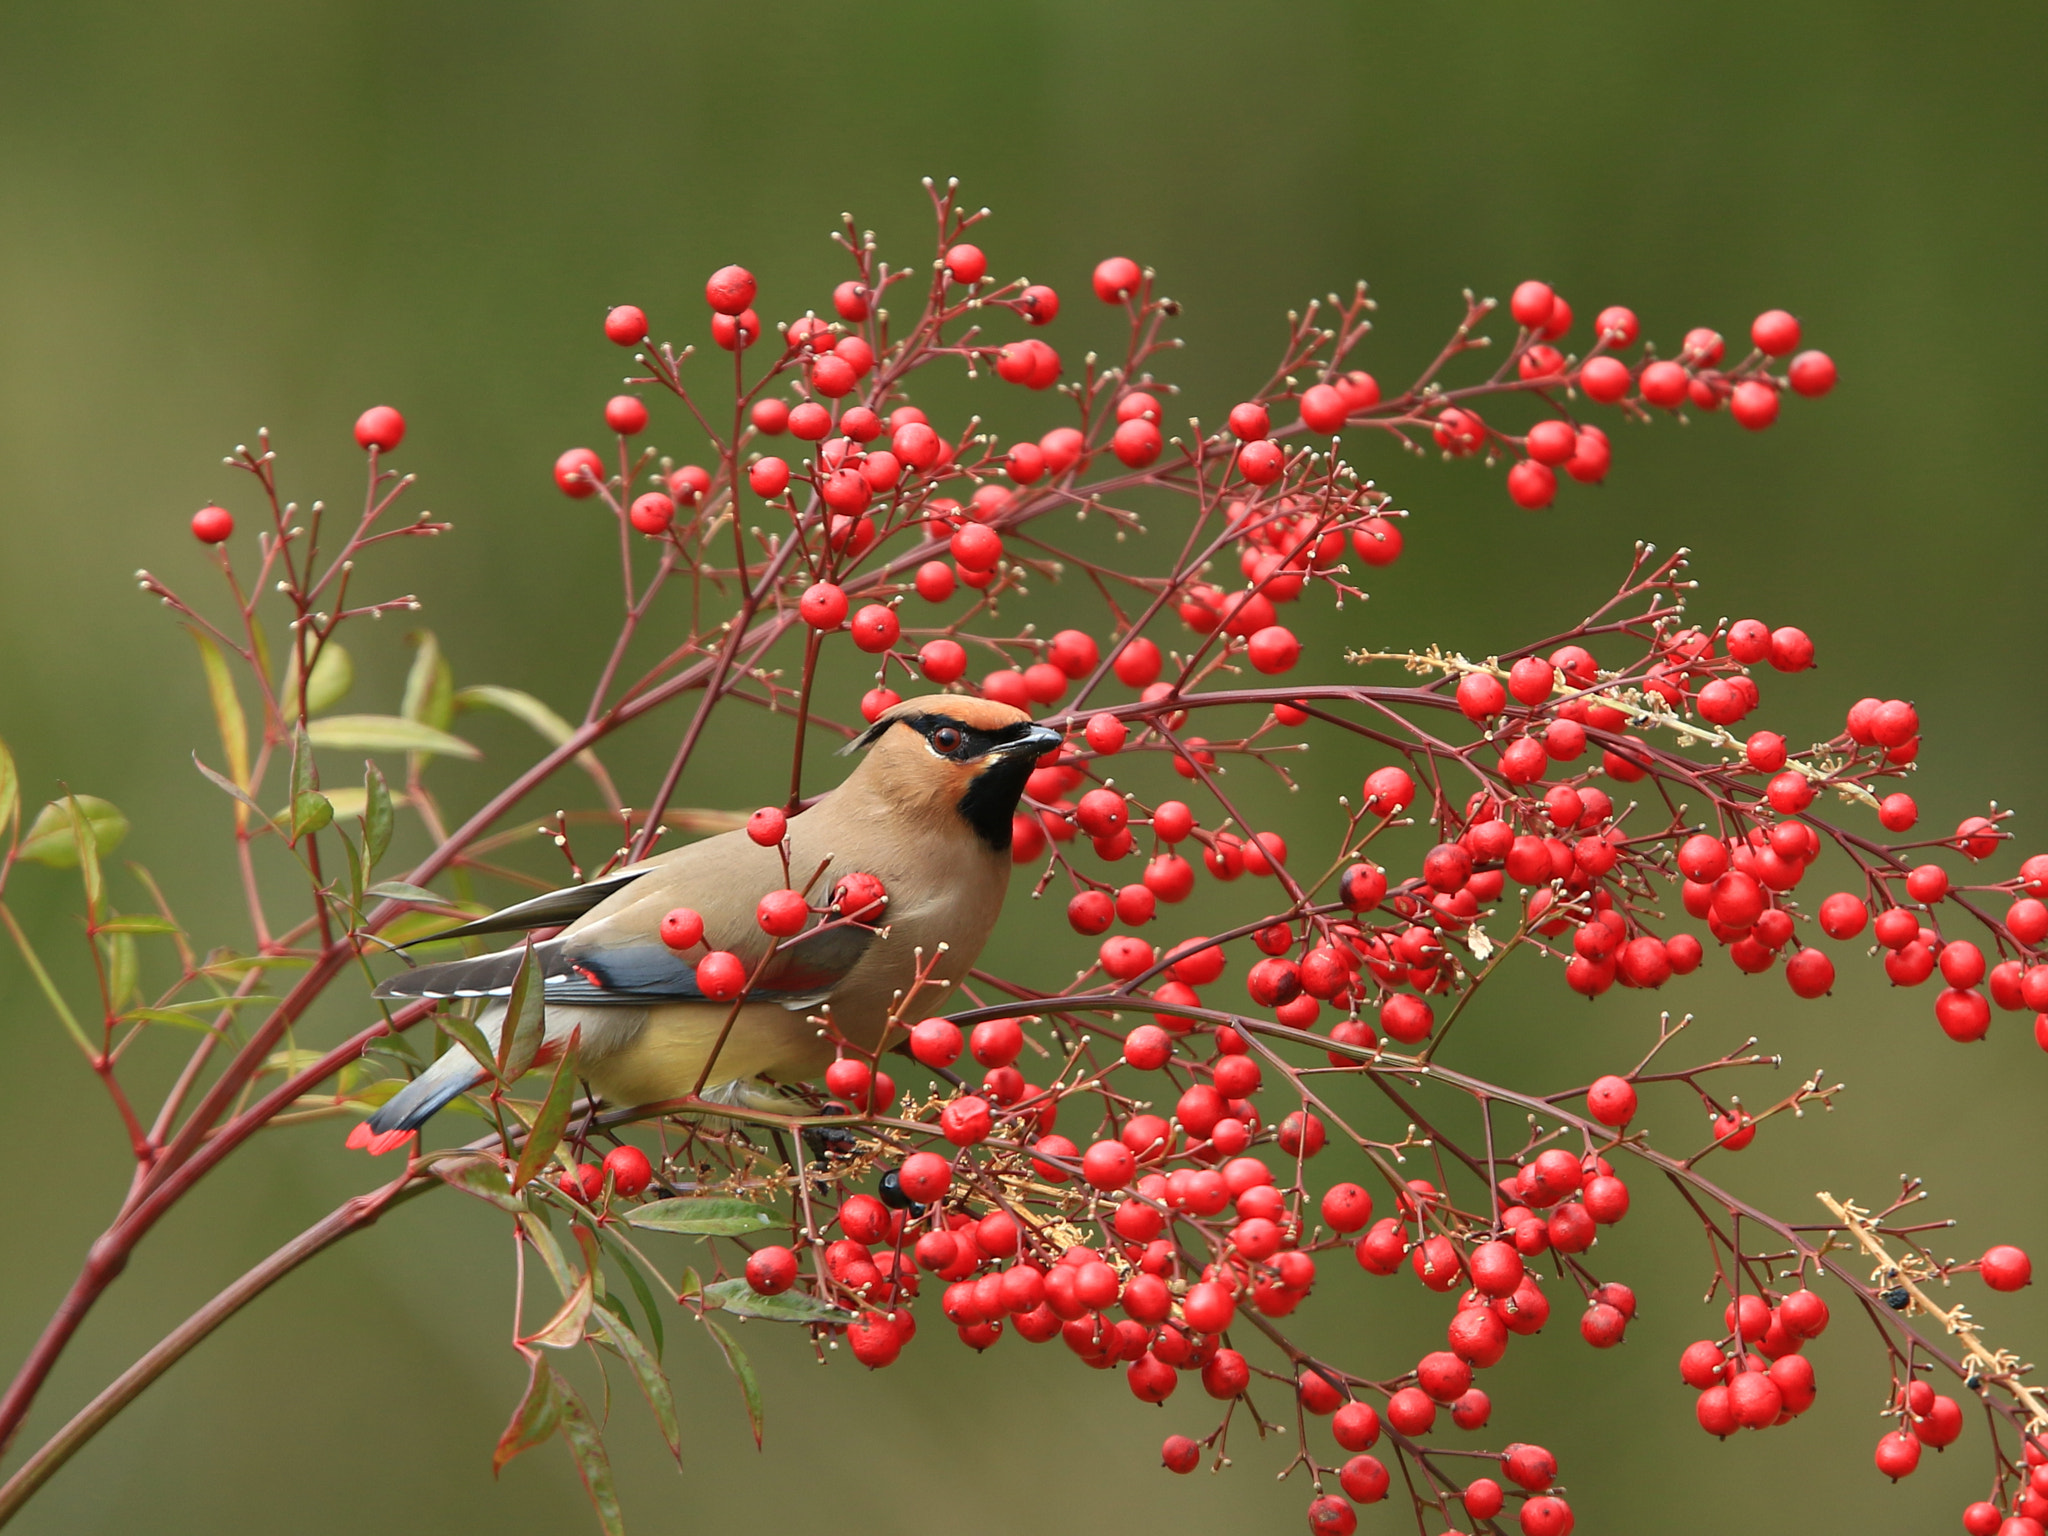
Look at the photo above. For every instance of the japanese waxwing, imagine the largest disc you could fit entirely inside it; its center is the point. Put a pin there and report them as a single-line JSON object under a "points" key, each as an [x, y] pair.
{"points": [[927, 813]]}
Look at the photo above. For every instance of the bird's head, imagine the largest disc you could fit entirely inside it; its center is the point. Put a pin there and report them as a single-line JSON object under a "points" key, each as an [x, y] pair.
{"points": [[950, 754]]}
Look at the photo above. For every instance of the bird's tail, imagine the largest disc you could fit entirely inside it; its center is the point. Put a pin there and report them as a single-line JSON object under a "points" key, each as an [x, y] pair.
{"points": [[421, 1099]]}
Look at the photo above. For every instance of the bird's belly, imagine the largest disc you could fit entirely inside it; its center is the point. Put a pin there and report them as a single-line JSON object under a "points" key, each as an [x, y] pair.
{"points": [[665, 1057]]}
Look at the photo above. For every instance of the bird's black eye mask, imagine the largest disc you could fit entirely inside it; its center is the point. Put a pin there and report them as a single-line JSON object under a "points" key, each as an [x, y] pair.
{"points": [[954, 740]]}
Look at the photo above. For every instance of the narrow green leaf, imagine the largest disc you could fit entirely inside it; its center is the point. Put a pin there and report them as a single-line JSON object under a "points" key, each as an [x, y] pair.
{"points": [[536, 1417], [398, 890], [223, 782], [355, 867], [10, 789], [471, 1038], [377, 817], [233, 967], [165, 1016], [52, 841], [535, 1228], [552, 1120], [654, 1383], [124, 969], [566, 1328], [689, 1285], [743, 1372], [519, 1037], [481, 1177], [656, 1333], [227, 707], [56, 998], [430, 685], [386, 733], [333, 674], [703, 1217], [214, 1004], [738, 1298], [139, 923], [592, 1465], [521, 706], [87, 846]]}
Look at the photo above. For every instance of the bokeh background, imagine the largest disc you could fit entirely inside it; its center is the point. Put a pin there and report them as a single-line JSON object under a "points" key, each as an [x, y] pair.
{"points": [[215, 217]]}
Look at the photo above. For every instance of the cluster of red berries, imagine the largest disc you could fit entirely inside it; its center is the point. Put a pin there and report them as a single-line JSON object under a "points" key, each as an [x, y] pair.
{"points": [[1151, 1243]]}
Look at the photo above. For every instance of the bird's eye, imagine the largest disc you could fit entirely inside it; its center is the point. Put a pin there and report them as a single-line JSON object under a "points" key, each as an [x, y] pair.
{"points": [[946, 739]]}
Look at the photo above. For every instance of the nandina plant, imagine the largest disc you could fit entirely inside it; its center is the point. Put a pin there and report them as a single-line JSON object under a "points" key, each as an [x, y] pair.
{"points": [[1117, 1150]]}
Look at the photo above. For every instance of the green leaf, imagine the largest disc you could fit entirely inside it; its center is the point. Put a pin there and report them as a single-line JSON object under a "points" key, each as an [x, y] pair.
{"points": [[536, 1417], [535, 1229], [222, 782], [234, 967], [521, 706], [592, 1465], [355, 867], [165, 1016], [430, 685], [471, 1038], [138, 923], [654, 1383], [738, 1298], [626, 1261], [52, 842], [419, 927], [565, 1329], [86, 844], [227, 707], [10, 789], [743, 1372], [552, 1120], [56, 998], [398, 890], [525, 1024], [238, 1000], [310, 813], [124, 969], [377, 816], [703, 1217], [386, 733], [334, 674], [481, 1177]]}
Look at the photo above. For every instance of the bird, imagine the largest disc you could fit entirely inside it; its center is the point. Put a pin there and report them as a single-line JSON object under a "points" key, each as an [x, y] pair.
{"points": [[927, 812]]}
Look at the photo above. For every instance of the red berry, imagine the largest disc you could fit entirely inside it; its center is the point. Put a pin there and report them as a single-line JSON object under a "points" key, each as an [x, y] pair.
{"points": [[380, 427], [1532, 486], [579, 472], [721, 975], [1531, 304], [875, 628], [768, 477], [682, 928], [966, 263], [771, 1270], [630, 1170], [925, 1176], [1898, 1453], [212, 525], [1775, 332], [1812, 374], [626, 325], [1754, 404], [1605, 379], [2006, 1268], [823, 606], [652, 513], [1117, 279], [625, 414], [729, 290]]}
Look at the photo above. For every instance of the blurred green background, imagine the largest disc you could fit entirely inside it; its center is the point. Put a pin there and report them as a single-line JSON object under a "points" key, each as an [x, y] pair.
{"points": [[218, 217]]}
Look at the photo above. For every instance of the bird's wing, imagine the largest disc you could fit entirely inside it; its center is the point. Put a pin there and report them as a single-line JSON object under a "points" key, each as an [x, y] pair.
{"points": [[599, 967], [551, 910]]}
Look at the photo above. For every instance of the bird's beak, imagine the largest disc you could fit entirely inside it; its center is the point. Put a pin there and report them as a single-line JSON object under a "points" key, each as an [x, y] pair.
{"points": [[1036, 742]]}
